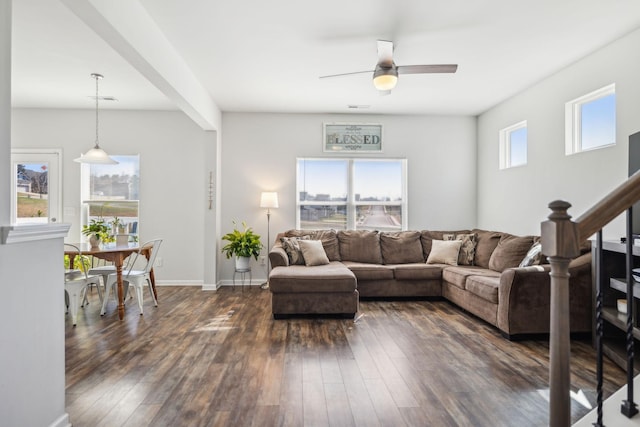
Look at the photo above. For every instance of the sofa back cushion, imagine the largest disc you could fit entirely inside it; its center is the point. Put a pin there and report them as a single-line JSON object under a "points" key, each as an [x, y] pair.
{"points": [[329, 240], [427, 236], [401, 247], [510, 252], [486, 244], [360, 246]]}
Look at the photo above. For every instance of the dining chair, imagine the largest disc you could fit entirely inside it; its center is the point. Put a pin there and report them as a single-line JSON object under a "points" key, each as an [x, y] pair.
{"points": [[135, 278], [76, 282]]}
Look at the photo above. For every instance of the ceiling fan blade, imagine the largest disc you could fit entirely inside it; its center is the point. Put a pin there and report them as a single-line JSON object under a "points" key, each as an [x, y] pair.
{"points": [[425, 69], [346, 74], [385, 53]]}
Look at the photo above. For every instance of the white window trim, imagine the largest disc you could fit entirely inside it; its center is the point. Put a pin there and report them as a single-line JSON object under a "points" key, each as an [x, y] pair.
{"points": [[505, 145], [351, 203], [573, 120]]}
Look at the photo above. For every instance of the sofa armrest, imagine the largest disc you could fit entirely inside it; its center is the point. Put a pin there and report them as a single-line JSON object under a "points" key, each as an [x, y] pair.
{"points": [[278, 256], [524, 298]]}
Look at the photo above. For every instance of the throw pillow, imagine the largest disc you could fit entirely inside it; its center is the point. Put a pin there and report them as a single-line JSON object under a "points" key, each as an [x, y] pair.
{"points": [[509, 252], [313, 252], [360, 246], [468, 248], [533, 257], [292, 248], [444, 252], [401, 247]]}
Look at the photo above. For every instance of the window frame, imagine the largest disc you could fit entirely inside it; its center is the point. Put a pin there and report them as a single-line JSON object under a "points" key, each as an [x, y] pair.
{"points": [[505, 145], [350, 203], [573, 120]]}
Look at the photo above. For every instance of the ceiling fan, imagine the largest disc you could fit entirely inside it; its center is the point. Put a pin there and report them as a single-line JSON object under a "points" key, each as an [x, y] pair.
{"points": [[385, 75]]}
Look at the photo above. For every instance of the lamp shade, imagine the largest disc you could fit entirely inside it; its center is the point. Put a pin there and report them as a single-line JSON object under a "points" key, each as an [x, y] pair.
{"points": [[269, 199], [96, 155]]}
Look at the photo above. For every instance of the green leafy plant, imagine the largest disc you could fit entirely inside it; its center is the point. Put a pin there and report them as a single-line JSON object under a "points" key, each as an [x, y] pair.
{"points": [[243, 243], [81, 262], [97, 228]]}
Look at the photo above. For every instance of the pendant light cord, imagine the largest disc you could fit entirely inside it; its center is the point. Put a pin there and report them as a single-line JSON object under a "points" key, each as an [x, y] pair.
{"points": [[97, 77]]}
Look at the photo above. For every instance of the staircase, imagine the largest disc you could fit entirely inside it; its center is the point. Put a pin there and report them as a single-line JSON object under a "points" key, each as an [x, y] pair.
{"points": [[561, 238]]}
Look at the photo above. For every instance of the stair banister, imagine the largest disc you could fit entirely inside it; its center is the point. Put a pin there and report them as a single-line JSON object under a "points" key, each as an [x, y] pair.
{"points": [[561, 239]]}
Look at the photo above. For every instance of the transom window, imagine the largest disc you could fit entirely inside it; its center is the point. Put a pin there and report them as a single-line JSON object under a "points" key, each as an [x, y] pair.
{"points": [[591, 121], [513, 145], [352, 194]]}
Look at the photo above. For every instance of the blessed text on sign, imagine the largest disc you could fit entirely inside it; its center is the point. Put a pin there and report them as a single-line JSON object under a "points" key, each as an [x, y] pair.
{"points": [[352, 137]]}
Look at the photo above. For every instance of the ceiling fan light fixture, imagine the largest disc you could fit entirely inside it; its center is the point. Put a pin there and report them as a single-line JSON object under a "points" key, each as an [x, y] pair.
{"points": [[385, 78]]}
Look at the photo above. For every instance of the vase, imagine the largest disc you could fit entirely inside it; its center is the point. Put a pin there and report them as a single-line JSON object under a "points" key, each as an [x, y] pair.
{"points": [[242, 262], [94, 241]]}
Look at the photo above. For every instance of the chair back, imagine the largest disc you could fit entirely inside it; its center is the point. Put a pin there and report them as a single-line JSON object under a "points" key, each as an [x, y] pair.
{"points": [[77, 256], [155, 247]]}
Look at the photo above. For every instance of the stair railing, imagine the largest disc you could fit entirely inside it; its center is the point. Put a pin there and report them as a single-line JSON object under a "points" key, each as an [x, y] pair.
{"points": [[561, 239]]}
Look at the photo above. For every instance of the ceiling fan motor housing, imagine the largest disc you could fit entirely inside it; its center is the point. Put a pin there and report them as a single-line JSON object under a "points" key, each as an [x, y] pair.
{"points": [[385, 78]]}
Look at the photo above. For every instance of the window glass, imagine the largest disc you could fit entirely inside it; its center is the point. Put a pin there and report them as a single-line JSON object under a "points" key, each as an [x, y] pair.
{"points": [[111, 193], [590, 121], [598, 122], [351, 194], [513, 145]]}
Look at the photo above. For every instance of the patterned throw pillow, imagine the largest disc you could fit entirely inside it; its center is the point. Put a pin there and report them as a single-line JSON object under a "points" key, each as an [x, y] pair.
{"points": [[468, 248], [292, 248], [533, 257]]}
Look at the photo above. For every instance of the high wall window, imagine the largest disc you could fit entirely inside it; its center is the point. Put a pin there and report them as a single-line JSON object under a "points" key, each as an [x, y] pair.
{"points": [[112, 193], [352, 194], [513, 145], [590, 121]]}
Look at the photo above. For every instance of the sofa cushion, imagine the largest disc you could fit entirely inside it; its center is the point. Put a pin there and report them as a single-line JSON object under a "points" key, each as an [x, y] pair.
{"points": [[360, 246], [417, 271], [468, 248], [332, 277], [401, 247], [292, 248], [313, 252], [486, 244], [427, 236], [486, 287], [510, 252], [366, 271], [329, 239], [457, 276], [444, 252]]}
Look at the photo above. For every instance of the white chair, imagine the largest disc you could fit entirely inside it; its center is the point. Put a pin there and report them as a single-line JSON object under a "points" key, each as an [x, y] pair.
{"points": [[76, 282], [135, 278]]}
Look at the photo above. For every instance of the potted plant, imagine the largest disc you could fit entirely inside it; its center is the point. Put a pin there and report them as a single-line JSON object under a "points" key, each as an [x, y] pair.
{"points": [[243, 244], [97, 230]]}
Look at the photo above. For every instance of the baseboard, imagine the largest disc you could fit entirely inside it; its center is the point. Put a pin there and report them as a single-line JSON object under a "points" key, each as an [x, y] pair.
{"points": [[253, 282], [63, 421], [179, 283]]}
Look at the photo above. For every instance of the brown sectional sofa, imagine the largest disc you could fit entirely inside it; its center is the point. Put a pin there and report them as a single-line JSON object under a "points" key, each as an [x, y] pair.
{"points": [[487, 281]]}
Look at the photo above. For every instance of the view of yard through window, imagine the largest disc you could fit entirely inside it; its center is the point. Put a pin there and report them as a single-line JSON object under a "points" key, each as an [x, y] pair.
{"points": [[32, 192], [351, 193]]}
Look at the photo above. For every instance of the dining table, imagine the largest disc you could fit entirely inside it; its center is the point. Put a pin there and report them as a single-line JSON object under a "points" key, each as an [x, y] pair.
{"points": [[116, 254]]}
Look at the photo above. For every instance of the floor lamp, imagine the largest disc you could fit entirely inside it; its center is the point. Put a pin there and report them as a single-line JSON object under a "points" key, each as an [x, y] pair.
{"points": [[268, 199]]}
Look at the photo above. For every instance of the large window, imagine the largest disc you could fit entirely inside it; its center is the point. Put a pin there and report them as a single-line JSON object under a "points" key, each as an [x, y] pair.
{"points": [[513, 145], [591, 121], [111, 193], [352, 194]]}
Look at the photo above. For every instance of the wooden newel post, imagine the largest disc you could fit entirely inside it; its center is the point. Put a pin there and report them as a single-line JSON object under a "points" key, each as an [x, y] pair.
{"points": [[560, 243]]}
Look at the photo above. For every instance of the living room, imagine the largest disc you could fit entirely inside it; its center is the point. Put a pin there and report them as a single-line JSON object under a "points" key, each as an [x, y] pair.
{"points": [[453, 159]]}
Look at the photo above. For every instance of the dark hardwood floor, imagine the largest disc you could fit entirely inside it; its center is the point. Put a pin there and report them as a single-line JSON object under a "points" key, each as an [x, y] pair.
{"points": [[219, 359]]}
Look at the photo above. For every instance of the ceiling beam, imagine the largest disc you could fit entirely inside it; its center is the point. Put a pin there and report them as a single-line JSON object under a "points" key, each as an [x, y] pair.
{"points": [[127, 27]]}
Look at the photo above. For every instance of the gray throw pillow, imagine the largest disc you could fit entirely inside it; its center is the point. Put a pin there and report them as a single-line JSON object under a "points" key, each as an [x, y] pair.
{"points": [[533, 256], [468, 248], [292, 248]]}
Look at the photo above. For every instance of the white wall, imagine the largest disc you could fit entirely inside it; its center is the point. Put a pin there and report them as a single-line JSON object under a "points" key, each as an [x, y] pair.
{"points": [[516, 199], [175, 159], [259, 153]]}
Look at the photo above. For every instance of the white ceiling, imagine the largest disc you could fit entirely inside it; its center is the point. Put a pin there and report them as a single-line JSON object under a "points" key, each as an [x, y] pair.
{"points": [[264, 56]]}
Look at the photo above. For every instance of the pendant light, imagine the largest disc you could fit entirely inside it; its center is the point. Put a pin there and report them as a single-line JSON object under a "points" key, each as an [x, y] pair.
{"points": [[96, 155]]}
